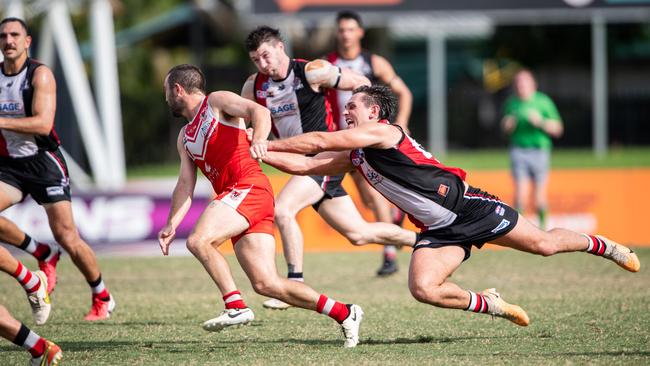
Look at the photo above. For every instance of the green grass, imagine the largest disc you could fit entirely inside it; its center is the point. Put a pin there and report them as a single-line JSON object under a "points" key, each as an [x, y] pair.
{"points": [[583, 309], [627, 157]]}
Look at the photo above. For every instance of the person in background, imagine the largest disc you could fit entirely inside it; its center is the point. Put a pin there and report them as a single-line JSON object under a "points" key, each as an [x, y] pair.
{"points": [[377, 69], [531, 120]]}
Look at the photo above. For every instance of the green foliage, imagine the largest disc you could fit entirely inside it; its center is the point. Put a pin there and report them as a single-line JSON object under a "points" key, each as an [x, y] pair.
{"points": [[583, 309]]}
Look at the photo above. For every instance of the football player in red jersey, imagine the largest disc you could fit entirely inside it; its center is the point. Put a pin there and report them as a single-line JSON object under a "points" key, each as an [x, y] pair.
{"points": [[214, 140]]}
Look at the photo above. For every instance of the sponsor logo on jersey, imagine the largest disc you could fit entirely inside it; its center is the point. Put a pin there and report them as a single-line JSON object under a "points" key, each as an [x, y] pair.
{"points": [[236, 195], [500, 210], [502, 225], [374, 177], [283, 110], [357, 157], [204, 128], [262, 93], [11, 107], [297, 84], [54, 191], [443, 190]]}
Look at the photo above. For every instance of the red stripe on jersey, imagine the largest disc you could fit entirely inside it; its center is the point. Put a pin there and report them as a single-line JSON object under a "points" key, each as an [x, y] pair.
{"points": [[329, 111], [418, 155], [3, 146], [331, 97], [192, 128], [260, 97]]}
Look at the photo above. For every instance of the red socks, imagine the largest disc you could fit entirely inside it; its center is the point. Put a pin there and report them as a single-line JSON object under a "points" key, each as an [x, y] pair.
{"points": [[332, 308], [234, 300]]}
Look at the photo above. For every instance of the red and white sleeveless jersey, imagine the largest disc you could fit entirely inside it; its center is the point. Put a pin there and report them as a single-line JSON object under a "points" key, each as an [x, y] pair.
{"points": [[16, 94], [221, 150], [414, 180], [338, 98]]}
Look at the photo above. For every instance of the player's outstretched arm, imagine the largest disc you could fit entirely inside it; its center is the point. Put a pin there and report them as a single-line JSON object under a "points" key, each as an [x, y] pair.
{"points": [[181, 198], [322, 74], [386, 74], [369, 135], [43, 106], [326, 163]]}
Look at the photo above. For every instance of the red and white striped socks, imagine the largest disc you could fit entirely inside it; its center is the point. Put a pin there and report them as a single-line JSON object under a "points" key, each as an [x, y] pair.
{"points": [[597, 246], [234, 300], [30, 281], [477, 303], [332, 308], [31, 341]]}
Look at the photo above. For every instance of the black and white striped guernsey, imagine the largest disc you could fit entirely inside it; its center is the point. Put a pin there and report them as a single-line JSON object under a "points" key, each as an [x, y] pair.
{"points": [[414, 180]]}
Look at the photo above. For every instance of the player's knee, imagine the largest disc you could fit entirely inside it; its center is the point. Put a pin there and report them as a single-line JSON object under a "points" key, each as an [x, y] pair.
{"points": [[266, 286], [66, 236], [423, 291], [283, 215], [196, 243]]}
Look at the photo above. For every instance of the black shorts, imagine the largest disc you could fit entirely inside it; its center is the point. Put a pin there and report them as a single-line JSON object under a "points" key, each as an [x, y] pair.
{"points": [[482, 218], [331, 186], [44, 176]]}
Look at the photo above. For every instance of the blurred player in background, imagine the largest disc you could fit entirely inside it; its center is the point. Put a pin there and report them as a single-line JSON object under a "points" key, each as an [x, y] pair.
{"points": [[44, 352], [531, 119], [377, 69], [215, 141], [452, 215], [31, 163], [294, 91]]}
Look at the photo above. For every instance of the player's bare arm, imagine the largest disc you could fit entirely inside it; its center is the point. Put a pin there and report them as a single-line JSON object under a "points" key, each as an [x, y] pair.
{"points": [[386, 74], [181, 197], [247, 89], [373, 135], [43, 106], [322, 74], [232, 106], [325, 163]]}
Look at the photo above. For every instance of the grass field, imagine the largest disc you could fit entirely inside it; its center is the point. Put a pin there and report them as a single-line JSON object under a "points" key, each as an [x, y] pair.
{"points": [[583, 309], [484, 159]]}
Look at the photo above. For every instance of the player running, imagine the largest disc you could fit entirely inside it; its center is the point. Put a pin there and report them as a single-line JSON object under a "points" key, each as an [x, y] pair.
{"points": [[214, 140], [452, 215], [377, 69], [31, 163], [294, 91]]}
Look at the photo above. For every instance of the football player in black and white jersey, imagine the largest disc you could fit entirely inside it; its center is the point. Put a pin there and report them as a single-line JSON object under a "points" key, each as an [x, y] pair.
{"points": [[31, 163], [377, 69], [294, 91], [452, 215]]}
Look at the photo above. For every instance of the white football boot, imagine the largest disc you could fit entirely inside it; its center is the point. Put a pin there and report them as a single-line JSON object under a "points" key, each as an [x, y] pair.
{"points": [[229, 318], [40, 301], [499, 307], [350, 326], [276, 304]]}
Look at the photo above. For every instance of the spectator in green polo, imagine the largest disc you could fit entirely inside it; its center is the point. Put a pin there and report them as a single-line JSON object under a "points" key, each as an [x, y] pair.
{"points": [[531, 120]]}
